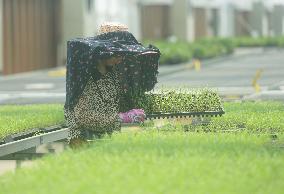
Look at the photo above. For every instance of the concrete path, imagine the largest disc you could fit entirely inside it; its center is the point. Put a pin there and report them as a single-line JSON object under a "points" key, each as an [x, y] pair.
{"points": [[234, 76], [231, 75]]}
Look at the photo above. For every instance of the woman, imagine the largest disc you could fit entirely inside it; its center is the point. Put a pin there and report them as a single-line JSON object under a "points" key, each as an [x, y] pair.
{"points": [[101, 73]]}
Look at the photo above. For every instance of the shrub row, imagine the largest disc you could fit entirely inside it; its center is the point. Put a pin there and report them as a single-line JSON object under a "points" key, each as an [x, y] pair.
{"points": [[179, 52], [258, 42]]}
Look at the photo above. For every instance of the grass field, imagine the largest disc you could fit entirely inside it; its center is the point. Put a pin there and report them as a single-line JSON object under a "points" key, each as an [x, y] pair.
{"points": [[159, 162], [15, 118], [248, 160]]}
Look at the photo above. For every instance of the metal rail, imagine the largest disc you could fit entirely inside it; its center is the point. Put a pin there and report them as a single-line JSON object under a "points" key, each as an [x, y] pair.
{"points": [[184, 114], [30, 142], [22, 145], [30, 133]]}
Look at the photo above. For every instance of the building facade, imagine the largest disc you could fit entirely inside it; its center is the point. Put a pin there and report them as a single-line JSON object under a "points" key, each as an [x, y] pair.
{"points": [[34, 33]]}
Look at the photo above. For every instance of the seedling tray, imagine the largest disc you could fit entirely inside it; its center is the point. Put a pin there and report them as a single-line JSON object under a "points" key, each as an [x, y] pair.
{"points": [[159, 115], [155, 115]]}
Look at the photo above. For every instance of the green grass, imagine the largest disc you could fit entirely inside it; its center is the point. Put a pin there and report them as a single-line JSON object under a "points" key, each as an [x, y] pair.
{"points": [[166, 161], [158, 162], [16, 118], [251, 116]]}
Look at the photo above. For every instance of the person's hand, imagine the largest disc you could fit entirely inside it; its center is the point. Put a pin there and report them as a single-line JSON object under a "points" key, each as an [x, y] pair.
{"points": [[133, 116]]}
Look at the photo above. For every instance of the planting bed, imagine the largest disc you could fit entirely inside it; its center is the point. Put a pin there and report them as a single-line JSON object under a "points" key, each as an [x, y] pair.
{"points": [[249, 160], [15, 119], [158, 162], [253, 117], [182, 100], [17, 122]]}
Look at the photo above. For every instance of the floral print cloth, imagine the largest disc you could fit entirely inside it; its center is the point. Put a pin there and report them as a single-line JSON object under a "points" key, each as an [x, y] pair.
{"points": [[137, 72], [96, 112], [93, 100]]}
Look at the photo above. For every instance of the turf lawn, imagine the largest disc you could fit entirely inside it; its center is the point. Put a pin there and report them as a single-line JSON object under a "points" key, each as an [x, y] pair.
{"points": [[204, 160]]}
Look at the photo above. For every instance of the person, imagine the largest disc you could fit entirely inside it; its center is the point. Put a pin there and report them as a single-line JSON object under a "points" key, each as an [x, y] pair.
{"points": [[97, 82]]}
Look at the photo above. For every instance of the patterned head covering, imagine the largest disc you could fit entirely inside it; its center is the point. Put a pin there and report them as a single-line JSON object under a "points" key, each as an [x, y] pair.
{"points": [[137, 72]]}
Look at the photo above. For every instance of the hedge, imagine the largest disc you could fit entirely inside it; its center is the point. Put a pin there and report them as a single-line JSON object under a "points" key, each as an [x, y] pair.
{"points": [[180, 51]]}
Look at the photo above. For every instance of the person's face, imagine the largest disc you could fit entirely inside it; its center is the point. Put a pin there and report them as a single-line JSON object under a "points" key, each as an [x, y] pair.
{"points": [[113, 61]]}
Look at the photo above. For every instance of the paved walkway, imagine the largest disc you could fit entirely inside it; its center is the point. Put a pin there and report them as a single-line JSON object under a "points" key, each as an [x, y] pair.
{"points": [[234, 75], [231, 75]]}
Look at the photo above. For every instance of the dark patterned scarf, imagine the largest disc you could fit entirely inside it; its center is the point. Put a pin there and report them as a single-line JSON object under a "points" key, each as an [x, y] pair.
{"points": [[137, 73]]}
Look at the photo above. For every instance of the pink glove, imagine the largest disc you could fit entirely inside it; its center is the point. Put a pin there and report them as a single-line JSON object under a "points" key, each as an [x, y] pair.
{"points": [[132, 116]]}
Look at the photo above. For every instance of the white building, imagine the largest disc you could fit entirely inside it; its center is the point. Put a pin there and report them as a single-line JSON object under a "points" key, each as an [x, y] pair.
{"points": [[33, 34]]}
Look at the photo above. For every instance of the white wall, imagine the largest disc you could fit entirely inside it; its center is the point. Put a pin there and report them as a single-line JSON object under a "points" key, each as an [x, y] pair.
{"points": [[157, 2], [1, 36], [278, 20], [190, 24], [182, 20], [80, 21], [72, 25], [89, 17], [123, 11], [178, 21], [72, 18], [257, 18], [227, 20], [134, 18]]}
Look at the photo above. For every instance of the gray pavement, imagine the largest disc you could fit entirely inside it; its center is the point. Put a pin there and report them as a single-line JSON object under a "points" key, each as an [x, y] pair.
{"points": [[46, 86], [234, 75], [230, 75]]}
